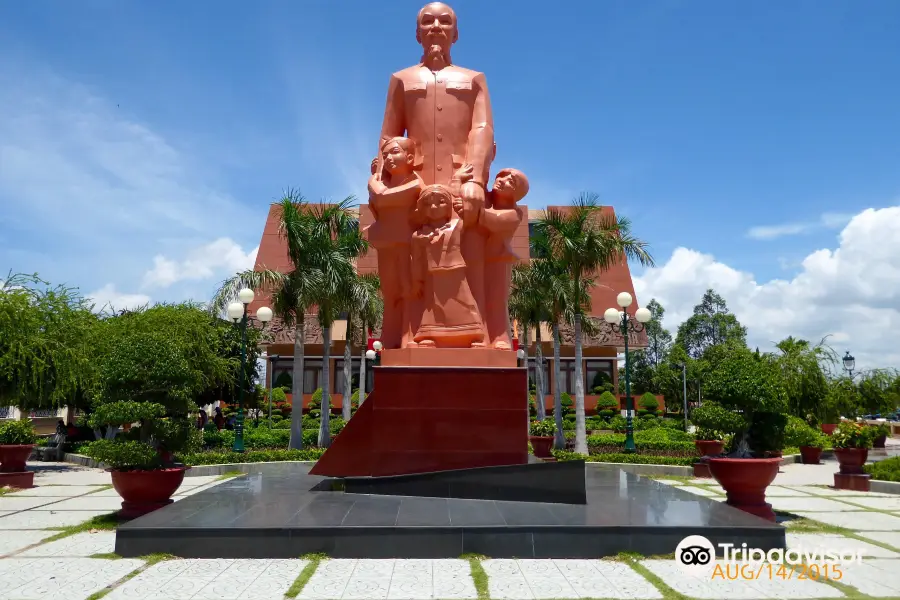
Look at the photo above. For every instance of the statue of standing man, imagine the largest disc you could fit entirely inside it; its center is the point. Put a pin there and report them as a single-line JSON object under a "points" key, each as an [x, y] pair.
{"points": [[446, 111]]}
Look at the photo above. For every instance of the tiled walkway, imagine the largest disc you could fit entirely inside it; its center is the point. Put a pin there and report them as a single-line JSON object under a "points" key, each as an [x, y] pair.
{"points": [[82, 565]]}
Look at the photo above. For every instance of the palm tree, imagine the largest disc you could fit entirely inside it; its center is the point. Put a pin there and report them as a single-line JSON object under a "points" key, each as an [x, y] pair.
{"points": [[527, 306], [335, 244], [292, 292], [585, 241], [363, 303]]}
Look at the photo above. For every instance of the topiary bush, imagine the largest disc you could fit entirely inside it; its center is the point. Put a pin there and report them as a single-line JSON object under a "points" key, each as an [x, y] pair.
{"points": [[315, 404], [648, 403], [714, 421], [607, 405]]}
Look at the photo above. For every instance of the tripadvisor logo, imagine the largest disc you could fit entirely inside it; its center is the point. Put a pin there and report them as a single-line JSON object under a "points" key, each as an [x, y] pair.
{"points": [[696, 555]]}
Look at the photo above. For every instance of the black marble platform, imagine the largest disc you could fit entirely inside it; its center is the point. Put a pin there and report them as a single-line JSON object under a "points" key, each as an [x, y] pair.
{"points": [[555, 482], [275, 513]]}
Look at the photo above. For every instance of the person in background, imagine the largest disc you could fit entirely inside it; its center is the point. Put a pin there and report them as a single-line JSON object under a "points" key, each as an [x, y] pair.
{"points": [[219, 419]]}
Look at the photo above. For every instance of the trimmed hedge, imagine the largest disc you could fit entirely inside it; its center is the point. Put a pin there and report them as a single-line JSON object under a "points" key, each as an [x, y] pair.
{"points": [[620, 458], [884, 470], [251, 456]]}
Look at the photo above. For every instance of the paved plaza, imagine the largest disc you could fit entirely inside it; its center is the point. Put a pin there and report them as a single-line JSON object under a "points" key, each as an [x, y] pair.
{"points": [[81, 563]]}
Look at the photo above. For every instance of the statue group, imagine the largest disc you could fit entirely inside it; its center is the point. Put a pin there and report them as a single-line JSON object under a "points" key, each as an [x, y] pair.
{"points": [[442, 237]]}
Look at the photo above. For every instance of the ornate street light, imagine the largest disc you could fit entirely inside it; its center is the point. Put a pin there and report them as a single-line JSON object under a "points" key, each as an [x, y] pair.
{"points": [[237, 312], [625, 324], [849, 363]]}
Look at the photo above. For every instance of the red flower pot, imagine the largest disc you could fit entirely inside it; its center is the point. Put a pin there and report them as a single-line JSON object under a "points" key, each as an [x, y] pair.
{"points": [[745, 481], [709, 447], [774, 454], [810, 455], [541, 445], [13, 457], [828, 428], [145, 491], [851, 459], [880, 441]]}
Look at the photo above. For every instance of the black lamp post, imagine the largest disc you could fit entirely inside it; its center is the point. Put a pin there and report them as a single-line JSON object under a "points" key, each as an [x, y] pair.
{"points": [[849, 363], [237, 312], [626, 324]]}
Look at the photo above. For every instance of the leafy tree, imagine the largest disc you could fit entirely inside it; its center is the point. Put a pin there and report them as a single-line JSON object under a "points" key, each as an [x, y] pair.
{"points": [[878, 391], [583, 241], [229, 345], [745, 381], [804, 378], [47, 344], [841, 400], [710, 325]]}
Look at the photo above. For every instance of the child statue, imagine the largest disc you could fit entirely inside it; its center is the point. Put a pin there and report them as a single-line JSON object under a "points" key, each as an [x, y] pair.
{"points": [[393, 192], [501, 221], [450, 318]]}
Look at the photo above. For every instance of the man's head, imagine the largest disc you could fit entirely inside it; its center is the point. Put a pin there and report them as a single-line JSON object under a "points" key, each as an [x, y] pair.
{"points": [[510, 186], [436, 28]]}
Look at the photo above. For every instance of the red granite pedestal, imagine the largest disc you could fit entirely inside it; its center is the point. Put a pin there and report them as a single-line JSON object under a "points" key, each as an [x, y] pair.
{"points": [[427, 419], [22, 479], [852, 481]]}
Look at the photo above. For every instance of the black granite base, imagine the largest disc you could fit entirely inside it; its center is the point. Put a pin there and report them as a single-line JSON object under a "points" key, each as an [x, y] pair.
{"points": [[554, 482], [276, 513]]}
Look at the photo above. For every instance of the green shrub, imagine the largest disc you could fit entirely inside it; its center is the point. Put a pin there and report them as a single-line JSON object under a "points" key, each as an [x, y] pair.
{"points": [[17, 432], [714, 421], [335, 425], [618, 423], [218, 439], [620, 458], [564, 455], [655, 441], [251, 456], [310, 437], [124, 455], [648, 402], [567, 405], [607, 403], [315, 403], [545, 428], [278, 396], [607, 414], [798, 433], [884, 470]]}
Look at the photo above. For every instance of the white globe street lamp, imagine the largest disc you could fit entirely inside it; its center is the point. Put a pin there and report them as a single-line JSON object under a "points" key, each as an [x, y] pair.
{"points": [[378, 345], [370, 354], [237, 312]]}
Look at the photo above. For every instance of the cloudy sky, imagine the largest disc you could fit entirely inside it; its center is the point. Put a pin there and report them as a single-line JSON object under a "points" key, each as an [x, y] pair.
{"points": [[754, 145]]}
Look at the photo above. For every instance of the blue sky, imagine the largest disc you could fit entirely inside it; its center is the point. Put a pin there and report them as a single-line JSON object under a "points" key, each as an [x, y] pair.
{"points": [[141, 142]]}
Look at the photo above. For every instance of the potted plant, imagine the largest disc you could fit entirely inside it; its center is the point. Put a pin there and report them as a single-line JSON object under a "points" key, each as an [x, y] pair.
{"points": [[750, 383], [880, 434], [16, 443], [541, 437], [810, 441], [712, 420], [851, 446]]}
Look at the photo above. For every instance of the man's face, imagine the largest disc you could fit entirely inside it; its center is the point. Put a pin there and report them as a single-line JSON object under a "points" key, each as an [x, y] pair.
{"points": [[437, 26]]}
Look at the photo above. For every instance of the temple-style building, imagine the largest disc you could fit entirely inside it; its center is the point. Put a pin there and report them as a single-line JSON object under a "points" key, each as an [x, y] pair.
{"points": [[600, 352]]}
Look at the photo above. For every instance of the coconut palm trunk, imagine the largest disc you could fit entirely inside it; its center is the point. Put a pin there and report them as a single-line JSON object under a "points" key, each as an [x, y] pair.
{"points": [[560, 441], [296, 441], [348, 370], [580, 434], [540, 385], [525, 337], [324, 426], [362, 364]]}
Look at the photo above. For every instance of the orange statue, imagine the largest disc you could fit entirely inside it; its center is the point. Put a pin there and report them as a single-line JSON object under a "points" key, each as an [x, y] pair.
{"points": [[445, 271], [501, 220], [451, 318], [393, 192]]}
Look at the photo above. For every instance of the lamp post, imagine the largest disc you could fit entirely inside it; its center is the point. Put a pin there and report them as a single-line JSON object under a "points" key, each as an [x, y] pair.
{"points": [[849, 363], [626, 324], [684, 391], [237, 312]]}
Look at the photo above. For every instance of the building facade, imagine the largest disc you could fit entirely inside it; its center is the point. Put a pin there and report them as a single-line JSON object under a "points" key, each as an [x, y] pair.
{"points": [[600, 352]]}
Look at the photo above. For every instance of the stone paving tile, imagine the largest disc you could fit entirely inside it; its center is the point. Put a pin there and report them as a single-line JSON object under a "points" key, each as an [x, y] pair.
{"points": [[509, 578], [879, 503], [60, 578], [856, 521], [59, 491], [716, 589], [12, 503], [45, 519], [74, 477], [80, 544], [390, 579], [14, 541], [201, 480], [700, 491], [828, 491], [832, 542], [891, 538], [809, 504], [669, 481], [879, 577], [211, 579], [89, 502], [780, 491]]}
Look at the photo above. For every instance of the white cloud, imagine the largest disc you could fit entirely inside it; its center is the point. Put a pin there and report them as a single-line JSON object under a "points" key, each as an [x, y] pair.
{"points": [[109, 298], [97, 190], [771, 232], [222, 256], [851, 292]]}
